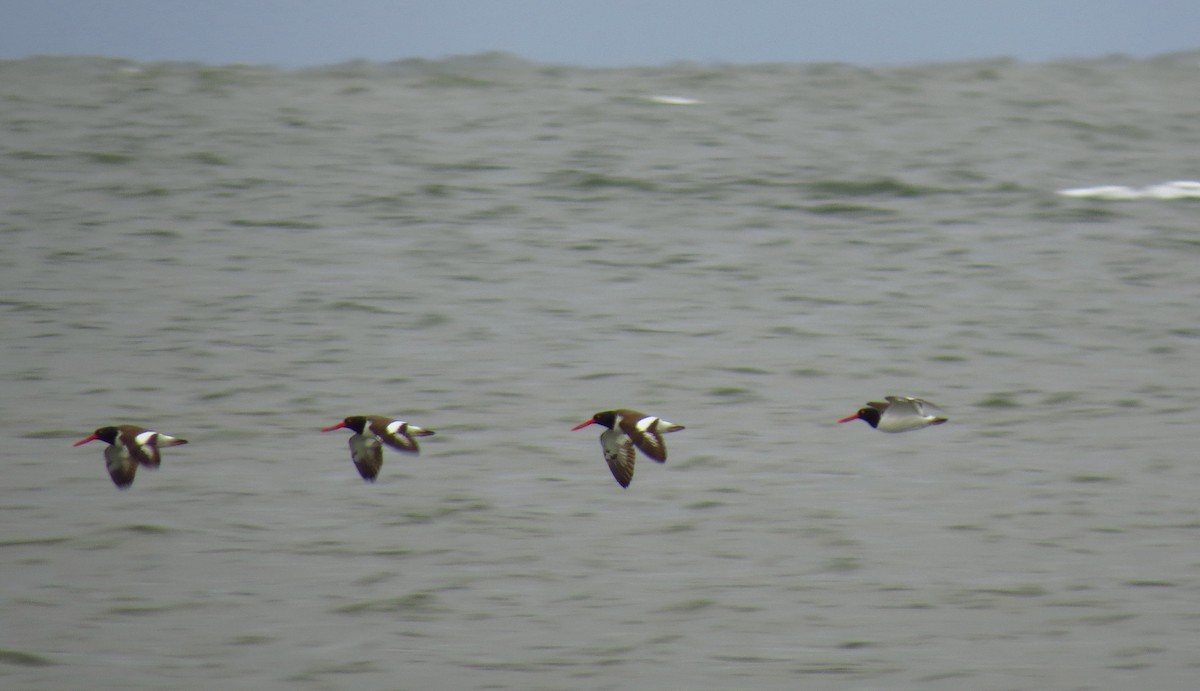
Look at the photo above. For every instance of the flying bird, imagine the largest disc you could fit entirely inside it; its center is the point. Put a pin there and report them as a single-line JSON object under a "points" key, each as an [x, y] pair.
{"points": [[371, 432], [627, 430], [899, 414], [128, 447]]}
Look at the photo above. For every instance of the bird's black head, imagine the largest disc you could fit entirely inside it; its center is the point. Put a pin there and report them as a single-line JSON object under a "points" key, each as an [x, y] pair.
{"points": [[607, 418], [870, 416], [106, 434], [356, 422]]}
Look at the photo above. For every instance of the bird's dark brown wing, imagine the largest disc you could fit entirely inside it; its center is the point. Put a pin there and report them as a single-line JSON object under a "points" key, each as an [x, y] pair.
{"points": [[618, 451], [367, 454], [396, 434], [141, 446], [645, 435], [121, 468]]}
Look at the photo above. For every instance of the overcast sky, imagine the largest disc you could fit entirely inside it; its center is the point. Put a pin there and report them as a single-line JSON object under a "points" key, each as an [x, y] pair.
{"points": [[298, 33]]}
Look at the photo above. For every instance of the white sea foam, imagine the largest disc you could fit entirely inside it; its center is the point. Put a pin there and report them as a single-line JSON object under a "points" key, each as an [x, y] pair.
{"points": [[675, 100], [1178, 189]]}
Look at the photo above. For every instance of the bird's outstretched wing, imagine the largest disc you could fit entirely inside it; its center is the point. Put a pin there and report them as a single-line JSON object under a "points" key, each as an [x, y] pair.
{"points": [[618, 451], [367, 454]]}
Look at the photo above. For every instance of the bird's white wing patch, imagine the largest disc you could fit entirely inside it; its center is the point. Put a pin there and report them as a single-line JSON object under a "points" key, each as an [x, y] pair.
{"points": [[659, 425], [399, 436], [646, 423], [647, 435]]}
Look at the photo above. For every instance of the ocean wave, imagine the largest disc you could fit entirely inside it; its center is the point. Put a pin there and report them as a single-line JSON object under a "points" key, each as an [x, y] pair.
{"points": [[1178, 189]]}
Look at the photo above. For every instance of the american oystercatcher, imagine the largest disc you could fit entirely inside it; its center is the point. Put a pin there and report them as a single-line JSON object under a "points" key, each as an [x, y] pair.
{"points": [[128, 447], [628, 429], [899, 414], [371, 432]]}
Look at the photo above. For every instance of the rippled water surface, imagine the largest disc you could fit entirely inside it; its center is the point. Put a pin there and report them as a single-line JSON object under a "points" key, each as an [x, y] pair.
{"points": [[496, 250]]}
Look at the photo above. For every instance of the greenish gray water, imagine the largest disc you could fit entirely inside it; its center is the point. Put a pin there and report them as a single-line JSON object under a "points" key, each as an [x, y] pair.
{"points": [[496, 250]]}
